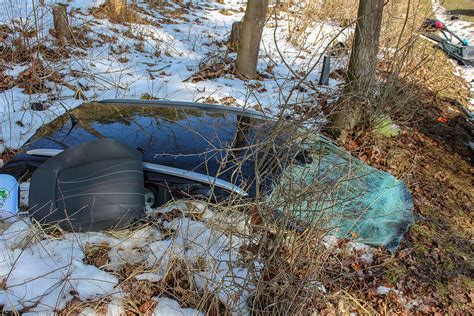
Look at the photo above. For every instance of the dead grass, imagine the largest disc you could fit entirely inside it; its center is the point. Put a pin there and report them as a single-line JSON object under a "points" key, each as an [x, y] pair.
{"points": [[342, 11], [432, 157], [76, 307]]}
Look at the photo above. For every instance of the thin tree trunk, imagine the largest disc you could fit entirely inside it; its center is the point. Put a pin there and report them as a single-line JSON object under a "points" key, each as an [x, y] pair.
{"points": [[250, 37], [118, 8], [234, 38], [363, 60], [62, 30], [359, 90]]}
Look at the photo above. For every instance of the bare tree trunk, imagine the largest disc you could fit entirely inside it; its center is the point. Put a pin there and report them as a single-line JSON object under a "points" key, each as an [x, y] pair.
{"points": [[62, 30], [118, 8], [250, 37], [362, 65], [363, 60], [234, 38]]}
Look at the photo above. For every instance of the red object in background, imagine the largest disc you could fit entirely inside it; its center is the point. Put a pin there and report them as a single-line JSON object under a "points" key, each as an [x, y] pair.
{"points": [[440, 25], [442, 119]]}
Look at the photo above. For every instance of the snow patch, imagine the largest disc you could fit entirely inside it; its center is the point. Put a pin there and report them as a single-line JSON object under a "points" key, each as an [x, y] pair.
{"points": [[43, 274], [168, 307]]}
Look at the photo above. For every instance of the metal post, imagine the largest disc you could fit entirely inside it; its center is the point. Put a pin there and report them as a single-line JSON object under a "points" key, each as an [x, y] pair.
{"points": [[324, 79]]}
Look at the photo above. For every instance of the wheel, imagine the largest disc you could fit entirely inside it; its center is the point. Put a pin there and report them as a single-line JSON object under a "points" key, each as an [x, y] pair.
{"points": [[151, 197], [156, 195]]}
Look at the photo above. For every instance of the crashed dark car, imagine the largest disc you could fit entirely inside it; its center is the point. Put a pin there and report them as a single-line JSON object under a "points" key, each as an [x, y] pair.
{"points": [[97, 166]]}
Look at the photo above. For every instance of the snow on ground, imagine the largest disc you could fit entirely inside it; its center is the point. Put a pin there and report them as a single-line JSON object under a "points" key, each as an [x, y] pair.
{"points": [[41, 273], [465, 30], [45, 273], [166, 307], [132, 60]]}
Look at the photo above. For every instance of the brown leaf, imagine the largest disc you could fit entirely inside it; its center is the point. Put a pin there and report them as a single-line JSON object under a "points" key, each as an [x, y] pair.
{"points": [[356, 266], [147, 307], [256, 218], [352, 146]]}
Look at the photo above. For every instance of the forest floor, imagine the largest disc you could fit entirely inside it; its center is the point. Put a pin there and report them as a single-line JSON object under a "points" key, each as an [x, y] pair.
{"points": [[437, 256], [435, 261]]}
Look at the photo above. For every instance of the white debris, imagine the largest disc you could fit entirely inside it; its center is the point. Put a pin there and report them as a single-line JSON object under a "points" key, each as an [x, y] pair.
{"points": [[222, 274], [361, 251], [230, 221], [383, 290], [408, 302], [319, 286]]}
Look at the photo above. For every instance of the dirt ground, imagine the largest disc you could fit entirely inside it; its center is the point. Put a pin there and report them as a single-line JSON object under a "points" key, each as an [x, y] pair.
{"points": [[434, 266]]}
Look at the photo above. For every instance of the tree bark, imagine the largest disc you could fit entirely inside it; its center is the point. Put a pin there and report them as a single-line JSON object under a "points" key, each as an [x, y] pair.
{"points": [[363, 60], [234, 38], [250, 37], [118, 8], [62, 29], [359, 90]]}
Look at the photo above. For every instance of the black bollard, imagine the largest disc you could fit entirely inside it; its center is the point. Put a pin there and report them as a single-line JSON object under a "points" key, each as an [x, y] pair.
{"points": [[324, 79]]}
